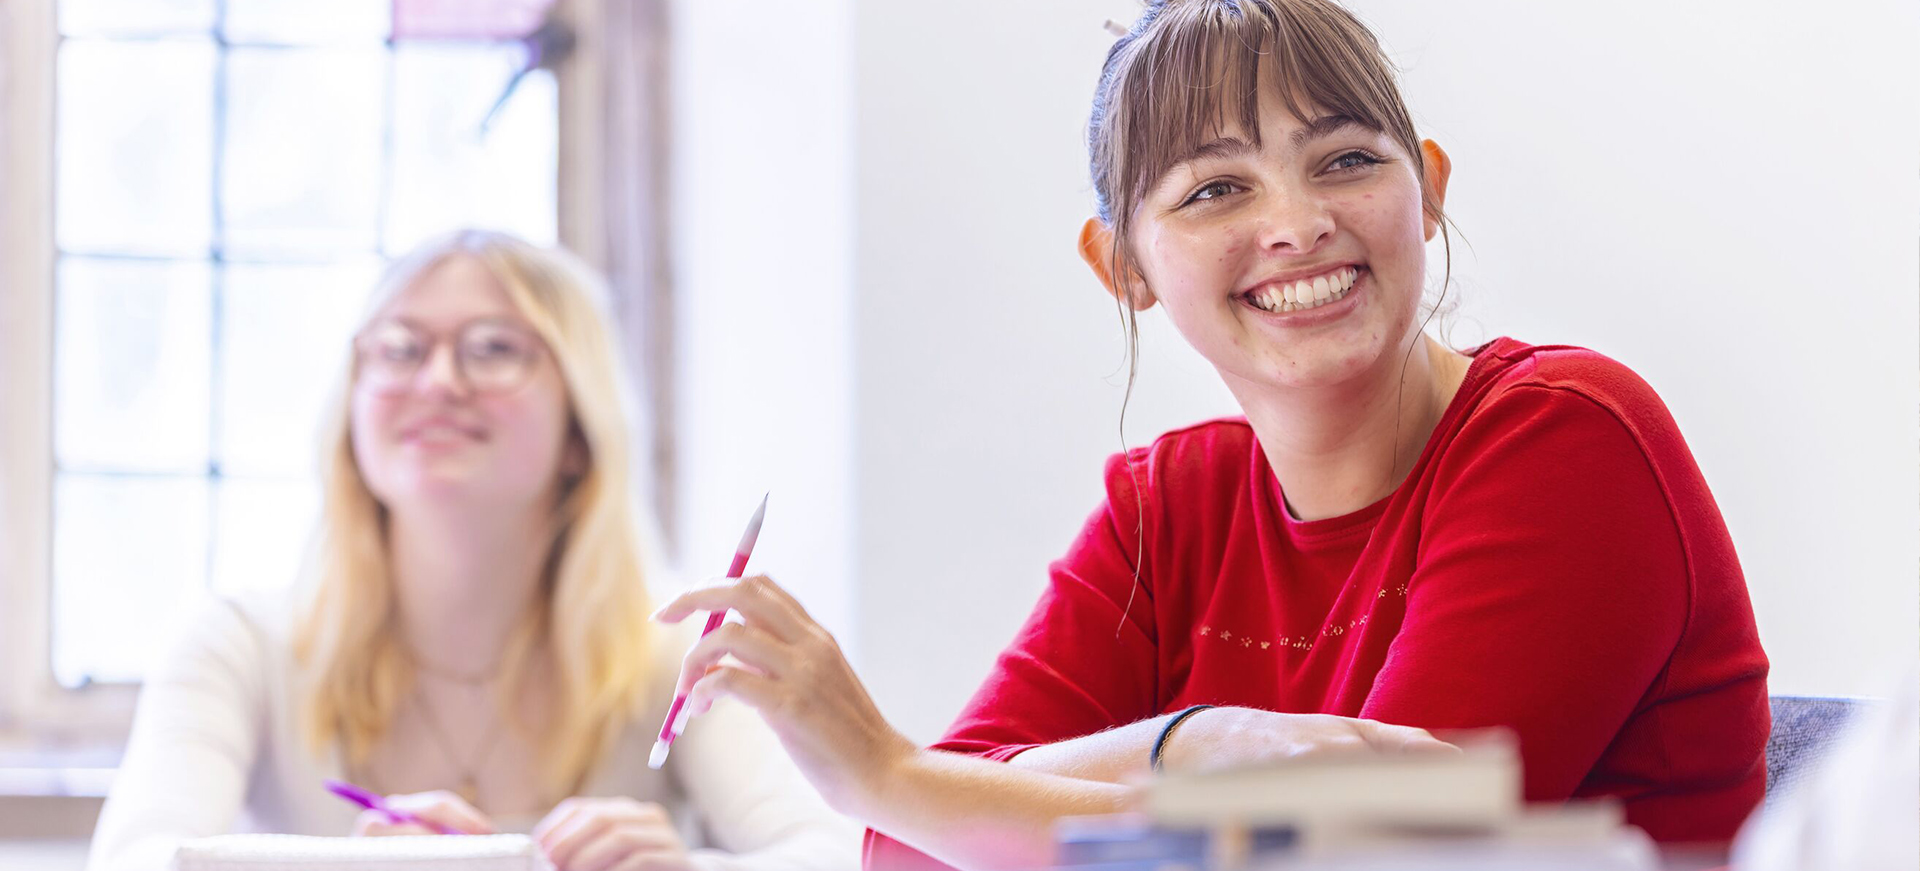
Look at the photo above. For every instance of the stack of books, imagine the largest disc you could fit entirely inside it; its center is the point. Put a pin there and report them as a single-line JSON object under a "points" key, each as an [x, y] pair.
{"points": [[1371, 812]]}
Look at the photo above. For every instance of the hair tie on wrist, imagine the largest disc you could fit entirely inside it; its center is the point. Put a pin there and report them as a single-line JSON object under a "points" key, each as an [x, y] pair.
{"points": [[1160, 743]]}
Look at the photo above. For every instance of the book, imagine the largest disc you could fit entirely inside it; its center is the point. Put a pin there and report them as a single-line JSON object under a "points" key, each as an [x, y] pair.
{"points": [[405, 853], [1133, 841], [1477, 787], [1581, 836]]}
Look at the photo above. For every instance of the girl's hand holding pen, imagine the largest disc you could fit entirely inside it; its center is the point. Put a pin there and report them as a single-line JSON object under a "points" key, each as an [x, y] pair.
{"points": [[791, 670], [439, 807]]}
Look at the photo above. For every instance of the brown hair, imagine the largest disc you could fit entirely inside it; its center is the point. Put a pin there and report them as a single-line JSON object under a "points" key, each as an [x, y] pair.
{"points": [[1187, 66]]}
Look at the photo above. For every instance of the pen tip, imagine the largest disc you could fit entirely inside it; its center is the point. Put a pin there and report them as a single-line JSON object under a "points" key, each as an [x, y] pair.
{"points": [[658, 757]]}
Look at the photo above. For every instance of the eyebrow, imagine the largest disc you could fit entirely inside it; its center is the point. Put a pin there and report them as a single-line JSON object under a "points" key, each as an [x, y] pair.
{"points": [[1224, 147], [1234, 146], [1323, 126]]}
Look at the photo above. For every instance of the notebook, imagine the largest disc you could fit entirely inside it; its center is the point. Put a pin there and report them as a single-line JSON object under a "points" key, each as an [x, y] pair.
{"points": [[307, 853]]}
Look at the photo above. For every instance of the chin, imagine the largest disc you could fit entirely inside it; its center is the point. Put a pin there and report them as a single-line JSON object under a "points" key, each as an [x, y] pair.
{"points": [[422, 487], [1306, 368]]}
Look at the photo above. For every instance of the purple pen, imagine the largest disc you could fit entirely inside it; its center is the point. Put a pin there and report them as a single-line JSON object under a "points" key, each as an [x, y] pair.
{"points": [[375, 802], [677, 714]]}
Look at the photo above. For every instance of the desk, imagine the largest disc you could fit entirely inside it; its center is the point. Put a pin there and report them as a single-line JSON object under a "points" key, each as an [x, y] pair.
{"points": [[48, 854]]}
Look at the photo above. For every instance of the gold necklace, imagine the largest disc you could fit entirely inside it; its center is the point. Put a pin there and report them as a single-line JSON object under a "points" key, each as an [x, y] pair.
{"points": [[468, 769]]}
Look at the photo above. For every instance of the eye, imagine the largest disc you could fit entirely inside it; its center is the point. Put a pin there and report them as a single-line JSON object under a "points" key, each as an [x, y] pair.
{"points": [[494, 343], [394, 344], [1212, 190], [1354, 160]]}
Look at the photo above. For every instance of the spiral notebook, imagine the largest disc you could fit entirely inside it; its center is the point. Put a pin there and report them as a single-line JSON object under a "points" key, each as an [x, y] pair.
{"points": [[307, 853]]}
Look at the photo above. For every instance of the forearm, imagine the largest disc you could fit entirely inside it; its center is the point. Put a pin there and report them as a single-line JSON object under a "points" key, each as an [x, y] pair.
{"points": [[1116, 755], [977, 814]]}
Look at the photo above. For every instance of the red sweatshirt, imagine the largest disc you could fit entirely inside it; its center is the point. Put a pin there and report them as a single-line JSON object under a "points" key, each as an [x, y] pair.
{"points": [[1554, 563]]}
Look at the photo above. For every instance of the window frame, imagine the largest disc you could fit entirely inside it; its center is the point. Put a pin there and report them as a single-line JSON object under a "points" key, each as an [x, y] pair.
{"points": [[46, 724], [35, 712]]}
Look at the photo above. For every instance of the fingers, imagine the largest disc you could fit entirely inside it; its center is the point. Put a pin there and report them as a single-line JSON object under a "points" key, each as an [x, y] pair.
{"points": [[380, 824], [555, 820], [752, 647], [565, 842], [597, 834], [623, 843], [758, 691], [761, 602], [444, 808]]}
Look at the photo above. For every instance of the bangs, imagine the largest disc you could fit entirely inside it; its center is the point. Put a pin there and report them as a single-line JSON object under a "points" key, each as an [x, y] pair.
{"points": [[1198, 70]]}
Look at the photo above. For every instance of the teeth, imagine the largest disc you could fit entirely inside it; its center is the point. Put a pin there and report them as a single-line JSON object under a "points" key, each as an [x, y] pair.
{"points": [[1303, 295]]}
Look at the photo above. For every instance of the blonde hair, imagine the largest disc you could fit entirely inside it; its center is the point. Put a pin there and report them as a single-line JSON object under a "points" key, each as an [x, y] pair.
{"points": [[593, 612]]}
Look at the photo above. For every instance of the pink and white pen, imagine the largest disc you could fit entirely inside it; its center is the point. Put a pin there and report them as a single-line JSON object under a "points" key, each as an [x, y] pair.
{"points": [[677, 714]]}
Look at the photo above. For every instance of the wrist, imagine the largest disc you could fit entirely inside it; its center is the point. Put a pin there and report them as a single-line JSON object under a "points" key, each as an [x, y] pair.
{"points": [[890, 762], [1168, 751]]}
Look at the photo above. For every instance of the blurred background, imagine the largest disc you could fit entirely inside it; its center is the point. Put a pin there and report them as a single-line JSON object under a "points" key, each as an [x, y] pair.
{"points": [[840, 239]]}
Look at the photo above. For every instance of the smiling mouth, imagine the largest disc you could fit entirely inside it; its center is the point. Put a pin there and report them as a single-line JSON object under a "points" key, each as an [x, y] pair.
{"points": [[439, 432], [1304, 294]]}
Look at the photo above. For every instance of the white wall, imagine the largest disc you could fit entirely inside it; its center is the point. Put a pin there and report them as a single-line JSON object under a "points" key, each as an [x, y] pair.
{"points": [[1721, 196], [762, 213], [1724, 196]]}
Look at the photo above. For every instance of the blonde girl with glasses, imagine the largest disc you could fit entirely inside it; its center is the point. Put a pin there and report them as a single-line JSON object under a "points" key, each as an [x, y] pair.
{"points": [[475, 642]]}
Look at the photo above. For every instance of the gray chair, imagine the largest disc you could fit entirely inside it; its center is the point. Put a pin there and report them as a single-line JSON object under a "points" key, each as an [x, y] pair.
{"points": [[1804, 729]]}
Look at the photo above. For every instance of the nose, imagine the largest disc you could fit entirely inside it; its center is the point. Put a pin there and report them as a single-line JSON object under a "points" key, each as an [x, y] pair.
{"points": [[440, 374], [1294, 222]]}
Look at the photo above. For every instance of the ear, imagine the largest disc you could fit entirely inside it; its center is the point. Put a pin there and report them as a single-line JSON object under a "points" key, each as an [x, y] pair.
{"points": [[1438, 167], [1096, 247]]}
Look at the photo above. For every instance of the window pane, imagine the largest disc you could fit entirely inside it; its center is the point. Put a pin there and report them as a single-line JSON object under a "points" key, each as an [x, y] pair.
{"points": [[446, 173], [135, 17], [293, 22], [261, 533], [134, 147], [128, 553], [132, 359], [470, 19], [285, 331], [302, 163]]}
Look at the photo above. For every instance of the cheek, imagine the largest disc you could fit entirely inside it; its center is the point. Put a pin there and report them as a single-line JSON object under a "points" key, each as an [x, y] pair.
{"points": [[530, 431], [1189, 266], [1392, 227], [368, 420]]}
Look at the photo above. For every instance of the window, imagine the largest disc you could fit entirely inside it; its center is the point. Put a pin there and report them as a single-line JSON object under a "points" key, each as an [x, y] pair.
{"points": [[229, 177]]}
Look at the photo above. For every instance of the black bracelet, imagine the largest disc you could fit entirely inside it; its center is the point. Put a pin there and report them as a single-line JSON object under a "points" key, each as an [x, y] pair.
{"points": [[1160, 743]]}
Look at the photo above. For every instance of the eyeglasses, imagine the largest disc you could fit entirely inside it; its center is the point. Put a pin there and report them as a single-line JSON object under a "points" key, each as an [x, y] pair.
{"points": [[491, 356]]}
